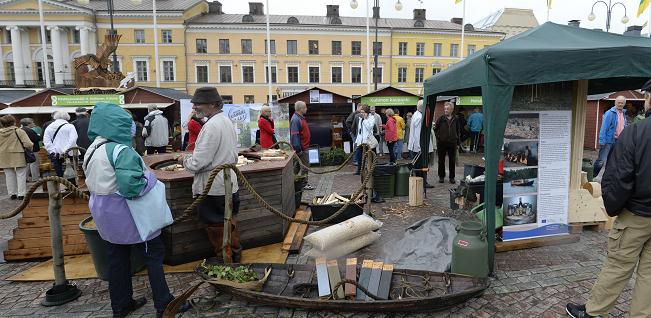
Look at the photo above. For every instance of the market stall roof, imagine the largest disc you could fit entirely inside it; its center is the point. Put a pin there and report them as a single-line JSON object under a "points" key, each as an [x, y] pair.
{"points": [[24, 110], [305, 96], [8, 96], [551, 53]]}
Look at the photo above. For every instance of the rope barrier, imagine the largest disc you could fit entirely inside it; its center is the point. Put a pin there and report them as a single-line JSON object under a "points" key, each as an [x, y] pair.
{"points": [[319, 172], [69, 185]]}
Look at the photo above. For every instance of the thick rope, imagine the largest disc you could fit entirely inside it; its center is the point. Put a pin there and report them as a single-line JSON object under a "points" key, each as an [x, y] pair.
{"points": [[308, 168], [352, 282], [69, 185], [356, 196]]}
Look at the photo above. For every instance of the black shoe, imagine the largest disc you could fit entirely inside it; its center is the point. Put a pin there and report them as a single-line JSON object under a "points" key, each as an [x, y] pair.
{"points": [[452, 181], [428, 186], [380, 200], [13, 197], [20, 198], [441, 180], [578, 311], [185, 307], [135, 304]]}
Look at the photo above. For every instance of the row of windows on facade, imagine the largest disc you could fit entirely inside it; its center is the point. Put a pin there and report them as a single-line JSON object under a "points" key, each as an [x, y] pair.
{"points": [[314, 72], [138, 35], [336, 48]]}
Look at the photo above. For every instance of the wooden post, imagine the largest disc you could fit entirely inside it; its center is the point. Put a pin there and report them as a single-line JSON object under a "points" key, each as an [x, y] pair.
{"points": [[53, 211], [228, 214], [369, 184], [416, 191], [579, 101]]}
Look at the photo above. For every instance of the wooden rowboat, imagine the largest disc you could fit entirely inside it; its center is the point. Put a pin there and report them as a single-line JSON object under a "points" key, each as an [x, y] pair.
{"points": [[295, 286]]}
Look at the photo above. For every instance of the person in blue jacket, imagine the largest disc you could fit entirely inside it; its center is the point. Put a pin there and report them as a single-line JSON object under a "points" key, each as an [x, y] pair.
{"points": [[612, 124], [475, 125]]}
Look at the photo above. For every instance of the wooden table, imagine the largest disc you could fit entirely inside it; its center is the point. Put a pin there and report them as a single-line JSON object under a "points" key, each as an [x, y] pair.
{"points": [[187, 240]]}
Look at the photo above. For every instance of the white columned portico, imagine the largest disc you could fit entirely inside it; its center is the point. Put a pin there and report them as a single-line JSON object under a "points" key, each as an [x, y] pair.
{"points": [[17, 53], [57, 56], [84, 37]]}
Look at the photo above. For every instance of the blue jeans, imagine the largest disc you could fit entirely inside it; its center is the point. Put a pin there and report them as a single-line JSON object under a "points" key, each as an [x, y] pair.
{"points": [[120, 287], [397, 149], [604, 154]]}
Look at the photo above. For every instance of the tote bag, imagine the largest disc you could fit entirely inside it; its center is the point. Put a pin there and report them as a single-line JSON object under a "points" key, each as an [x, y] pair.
{"points": [[150, 212]]}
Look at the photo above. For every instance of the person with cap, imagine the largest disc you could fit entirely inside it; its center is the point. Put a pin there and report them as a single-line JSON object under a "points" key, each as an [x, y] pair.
{"points": [[299, 132], [81, 126], [448, 131], [216, 145], [58, 137], [612, 124], [156, 131], [115, 175], [629, 242]]}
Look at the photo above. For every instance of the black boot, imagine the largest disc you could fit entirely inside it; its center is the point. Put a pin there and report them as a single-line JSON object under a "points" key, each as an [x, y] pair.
{"points": [[578, 311]]}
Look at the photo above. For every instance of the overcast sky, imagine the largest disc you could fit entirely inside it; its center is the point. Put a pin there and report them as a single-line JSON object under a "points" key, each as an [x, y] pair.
{"points": [[562, 10]]}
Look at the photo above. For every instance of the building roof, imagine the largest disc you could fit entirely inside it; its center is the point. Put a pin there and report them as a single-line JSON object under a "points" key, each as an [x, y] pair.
{"points": [[165, 92], [394, 23], [127, 5], [8, 96], [508, 17]]}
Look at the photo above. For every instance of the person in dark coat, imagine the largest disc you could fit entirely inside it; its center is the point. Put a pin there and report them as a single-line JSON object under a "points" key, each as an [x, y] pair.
{"points": [[34, 171], [627, 196], [81, 126], [447, 130]]}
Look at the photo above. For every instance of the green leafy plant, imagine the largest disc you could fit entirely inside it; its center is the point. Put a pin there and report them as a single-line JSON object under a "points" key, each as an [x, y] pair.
{"points": [[240, 274]]}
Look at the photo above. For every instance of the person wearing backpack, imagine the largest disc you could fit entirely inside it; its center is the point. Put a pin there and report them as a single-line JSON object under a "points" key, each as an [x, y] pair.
{"points": [[13, 142], [58, 137], [118, 180], [155, 131]]}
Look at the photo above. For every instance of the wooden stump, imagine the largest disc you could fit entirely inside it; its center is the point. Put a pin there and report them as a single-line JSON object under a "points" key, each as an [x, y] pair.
{"points": [[415, 191]]}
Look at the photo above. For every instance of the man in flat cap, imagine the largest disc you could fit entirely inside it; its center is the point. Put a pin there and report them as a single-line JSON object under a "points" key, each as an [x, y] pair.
{"points": [[216, 145]]}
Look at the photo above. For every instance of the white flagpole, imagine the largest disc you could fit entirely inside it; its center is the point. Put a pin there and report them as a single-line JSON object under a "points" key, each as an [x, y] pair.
{"points": [[46, 66], [463, 28], [269, 57], [368, 51], [547, 10], [157, 63]]}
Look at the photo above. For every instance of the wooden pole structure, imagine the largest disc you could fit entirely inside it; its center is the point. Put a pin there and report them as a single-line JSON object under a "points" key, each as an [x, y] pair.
{"points": [[228, 214]]}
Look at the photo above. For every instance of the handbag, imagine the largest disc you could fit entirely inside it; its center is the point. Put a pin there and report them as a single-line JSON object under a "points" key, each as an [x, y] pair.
{"points": [[150, 212], [29, 155], [371, 141]]}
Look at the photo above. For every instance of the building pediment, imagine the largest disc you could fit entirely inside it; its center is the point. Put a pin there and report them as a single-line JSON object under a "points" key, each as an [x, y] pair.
{"points": [[31, 7]]}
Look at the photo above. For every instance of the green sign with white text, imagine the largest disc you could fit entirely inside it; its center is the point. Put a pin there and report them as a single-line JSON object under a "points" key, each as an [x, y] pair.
{"points": [[469, 101], [86, 100], [390, 100]]}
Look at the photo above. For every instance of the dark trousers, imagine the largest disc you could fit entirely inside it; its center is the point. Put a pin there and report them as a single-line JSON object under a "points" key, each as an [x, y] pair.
{"points": [[120, 288], [58, 164], [474, 140], [151, 150], [450, 151], [392, 154], [604, 154]]}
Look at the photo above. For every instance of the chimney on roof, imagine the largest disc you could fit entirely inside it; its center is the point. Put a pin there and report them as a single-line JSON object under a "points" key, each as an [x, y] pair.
{"points": [[419, 14], [215, 7], [332, 11], [574, 23], [256, 8], [456, 20], [633, 30]]}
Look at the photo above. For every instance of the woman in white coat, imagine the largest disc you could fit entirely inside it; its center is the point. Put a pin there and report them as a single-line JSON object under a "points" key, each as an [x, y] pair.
{"points": [[365, 125]]}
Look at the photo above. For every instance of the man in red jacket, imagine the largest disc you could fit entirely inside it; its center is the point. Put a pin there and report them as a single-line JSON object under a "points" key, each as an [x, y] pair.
{"points": [[300, 137], [266, 127]]}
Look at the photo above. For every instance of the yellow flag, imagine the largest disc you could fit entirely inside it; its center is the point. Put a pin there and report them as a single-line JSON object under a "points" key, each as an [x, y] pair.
{"points": [[643, 5], [549, 4]]}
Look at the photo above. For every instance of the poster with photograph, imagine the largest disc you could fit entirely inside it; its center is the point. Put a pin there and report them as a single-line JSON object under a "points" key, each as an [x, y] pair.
{"points": [[240, 116], [536, 158], [314, 96], [280, 117]]}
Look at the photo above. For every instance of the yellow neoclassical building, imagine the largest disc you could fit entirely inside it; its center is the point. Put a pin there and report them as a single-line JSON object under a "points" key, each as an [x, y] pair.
{"points": [[201, 45]]}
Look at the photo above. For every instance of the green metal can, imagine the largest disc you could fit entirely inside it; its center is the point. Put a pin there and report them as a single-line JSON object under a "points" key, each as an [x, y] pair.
{"points": [[470, 250], [402, 180], [588, 167]]}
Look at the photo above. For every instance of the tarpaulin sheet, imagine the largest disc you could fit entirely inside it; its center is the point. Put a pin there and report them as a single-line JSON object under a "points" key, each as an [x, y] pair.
{"points": [[425, 245]]}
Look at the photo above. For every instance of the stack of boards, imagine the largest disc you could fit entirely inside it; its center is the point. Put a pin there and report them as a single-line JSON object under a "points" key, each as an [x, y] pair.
{"points": [[375, 276]]}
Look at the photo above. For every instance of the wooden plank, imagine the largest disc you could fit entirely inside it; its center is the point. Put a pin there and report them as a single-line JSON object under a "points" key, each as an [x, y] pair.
{"points": [[415, 191], [300, 233], [577, 228], [32, 232], [68, 239], [65, 210], [535, 242], [43, 252], [289, 237], [43, 221], [579, 101]]}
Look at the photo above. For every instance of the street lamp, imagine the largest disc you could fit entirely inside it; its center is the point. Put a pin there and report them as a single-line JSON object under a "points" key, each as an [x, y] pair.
{"points": [[609, 11], [376, 17]]}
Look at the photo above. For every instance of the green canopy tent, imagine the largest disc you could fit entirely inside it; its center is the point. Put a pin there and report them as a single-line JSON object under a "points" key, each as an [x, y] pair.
{"points": [[546, 54]]}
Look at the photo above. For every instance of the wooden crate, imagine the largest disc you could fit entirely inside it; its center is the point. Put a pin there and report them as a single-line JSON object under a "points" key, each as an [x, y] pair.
{"points": [[31, 239]]}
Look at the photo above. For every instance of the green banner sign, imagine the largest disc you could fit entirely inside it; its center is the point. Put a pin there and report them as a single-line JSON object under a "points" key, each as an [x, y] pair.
{"points": [[469, 101], [390, 101], [86, 100]]}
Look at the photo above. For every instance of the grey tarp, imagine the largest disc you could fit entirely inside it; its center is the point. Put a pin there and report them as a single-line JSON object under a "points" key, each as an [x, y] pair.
{"points": [[425, 245], [546, 54]]}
